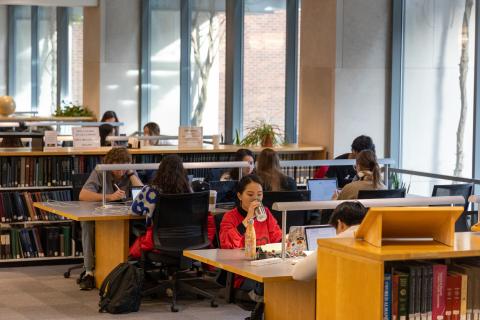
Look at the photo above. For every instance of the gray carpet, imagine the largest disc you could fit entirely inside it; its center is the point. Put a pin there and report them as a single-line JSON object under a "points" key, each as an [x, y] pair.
{"points": [[42, 293]]}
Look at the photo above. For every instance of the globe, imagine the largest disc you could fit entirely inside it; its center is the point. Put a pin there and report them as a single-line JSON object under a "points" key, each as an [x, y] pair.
{"points": [[7, 105]]}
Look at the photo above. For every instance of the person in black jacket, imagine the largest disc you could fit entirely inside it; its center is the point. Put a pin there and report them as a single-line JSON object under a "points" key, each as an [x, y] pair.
{"points": [[346, 174], [268, 169]]}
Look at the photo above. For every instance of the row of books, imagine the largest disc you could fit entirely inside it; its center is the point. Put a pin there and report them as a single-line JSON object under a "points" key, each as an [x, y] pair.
{"points": [[18, 206], [425, 290], [38, 242], [300, 174]]}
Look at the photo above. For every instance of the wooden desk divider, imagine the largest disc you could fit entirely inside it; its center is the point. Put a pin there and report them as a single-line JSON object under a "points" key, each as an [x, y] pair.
{"points": [[409, 222]]}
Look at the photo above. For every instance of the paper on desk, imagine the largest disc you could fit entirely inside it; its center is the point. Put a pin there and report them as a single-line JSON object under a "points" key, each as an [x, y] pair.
{"points": [[270, 247]]}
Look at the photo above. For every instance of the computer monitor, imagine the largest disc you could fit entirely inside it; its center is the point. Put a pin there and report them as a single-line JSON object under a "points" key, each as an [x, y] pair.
{"points": [[135, 191], [226, 190], [312, 233], [321, 189]]}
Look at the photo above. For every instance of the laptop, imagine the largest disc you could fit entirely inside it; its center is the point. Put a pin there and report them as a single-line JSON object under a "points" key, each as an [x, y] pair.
{"points": [[135, 191], [321, 189], [312, 233]]}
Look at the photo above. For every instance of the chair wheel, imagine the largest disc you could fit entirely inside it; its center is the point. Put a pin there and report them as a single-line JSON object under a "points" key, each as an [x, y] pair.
{"points": [[66, 275], [173, 309], [213, 304]]}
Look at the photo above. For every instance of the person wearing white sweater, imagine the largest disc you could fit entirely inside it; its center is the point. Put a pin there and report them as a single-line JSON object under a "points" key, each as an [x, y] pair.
{"points": [[345, 219]]}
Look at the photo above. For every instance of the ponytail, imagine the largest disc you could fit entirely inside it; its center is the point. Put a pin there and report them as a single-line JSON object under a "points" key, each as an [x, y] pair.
{"points": [[368, 160], [376, 175]]}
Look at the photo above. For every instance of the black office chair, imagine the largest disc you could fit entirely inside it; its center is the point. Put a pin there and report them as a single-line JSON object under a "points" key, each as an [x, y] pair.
{"points": [[78, 180], [381, 194], [465, 221], [294, 218], [179, 223]]}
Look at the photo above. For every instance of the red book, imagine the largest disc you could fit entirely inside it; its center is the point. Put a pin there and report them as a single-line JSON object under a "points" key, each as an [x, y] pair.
{"points": [[395, 279], [449, 298], [439, 287], [456, 281]]}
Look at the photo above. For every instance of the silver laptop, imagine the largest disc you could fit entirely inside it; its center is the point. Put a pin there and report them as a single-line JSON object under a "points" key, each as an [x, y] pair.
{"points": [[321, 189]]}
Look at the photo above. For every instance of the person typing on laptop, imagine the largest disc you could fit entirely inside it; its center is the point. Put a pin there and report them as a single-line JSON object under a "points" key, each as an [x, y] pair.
{"points": [[345, 219]]}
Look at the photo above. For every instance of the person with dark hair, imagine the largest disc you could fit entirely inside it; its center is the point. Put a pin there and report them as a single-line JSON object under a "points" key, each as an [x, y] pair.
{"points": [[268, 169], [171, 178], [368, 173], [117, 185], [105, 130], [346, 174], [346, 218], [151, 129], [111, 116], [240, 155], [234, 225]]}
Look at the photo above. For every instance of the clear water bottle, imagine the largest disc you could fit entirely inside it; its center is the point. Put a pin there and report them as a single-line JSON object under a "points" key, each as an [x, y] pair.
{"points": [[260, 212]]}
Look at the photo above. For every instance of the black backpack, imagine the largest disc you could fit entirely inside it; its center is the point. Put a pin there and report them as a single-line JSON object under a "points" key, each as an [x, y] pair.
{"points": [[121, 291]]}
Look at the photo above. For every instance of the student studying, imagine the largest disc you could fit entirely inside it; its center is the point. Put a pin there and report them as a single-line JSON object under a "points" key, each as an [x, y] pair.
{"points": [[117, 185]]}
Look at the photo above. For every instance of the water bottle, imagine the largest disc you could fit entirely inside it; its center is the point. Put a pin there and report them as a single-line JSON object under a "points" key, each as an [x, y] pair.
{"points": [[260, 212], [250, 241]]}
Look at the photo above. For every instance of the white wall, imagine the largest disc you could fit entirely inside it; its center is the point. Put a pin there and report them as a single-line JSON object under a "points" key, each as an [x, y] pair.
{"points": [[362, 85], [120, 54], [3, 50]]}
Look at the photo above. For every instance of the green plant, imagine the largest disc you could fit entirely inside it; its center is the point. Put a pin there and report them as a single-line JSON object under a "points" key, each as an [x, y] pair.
{"points": [[237, 139], [263, 133], [397, 183], [71, 110]]}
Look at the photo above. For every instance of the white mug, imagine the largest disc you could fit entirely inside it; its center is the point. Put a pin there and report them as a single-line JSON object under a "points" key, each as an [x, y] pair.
{"points": [[216, 140]]}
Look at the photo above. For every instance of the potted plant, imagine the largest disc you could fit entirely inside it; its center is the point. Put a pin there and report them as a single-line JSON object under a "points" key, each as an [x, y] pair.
{"points": [[263, 133], [71, 110]]}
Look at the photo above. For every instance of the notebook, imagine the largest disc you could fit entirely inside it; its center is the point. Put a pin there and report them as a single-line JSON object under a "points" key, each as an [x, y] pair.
{"points": [[321, 189]]}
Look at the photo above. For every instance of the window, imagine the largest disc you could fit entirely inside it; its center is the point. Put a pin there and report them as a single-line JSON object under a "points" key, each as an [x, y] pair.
{"points": [[208, 65], [165, 66], [75, 54], [47, 60], [437, 128], [36, 47], [264, 62]]}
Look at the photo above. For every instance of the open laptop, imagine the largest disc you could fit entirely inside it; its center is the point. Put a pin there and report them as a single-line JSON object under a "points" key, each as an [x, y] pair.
{"points": [[135, 191], [312, 233], [321, 189]]}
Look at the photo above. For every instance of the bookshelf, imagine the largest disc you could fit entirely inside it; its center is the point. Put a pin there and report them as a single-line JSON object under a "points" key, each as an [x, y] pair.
{"points": [[350, 273]]}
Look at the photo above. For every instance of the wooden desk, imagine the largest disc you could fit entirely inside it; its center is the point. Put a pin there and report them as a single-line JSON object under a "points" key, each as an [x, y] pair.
{"points": [[111, 231], [284, 297]]}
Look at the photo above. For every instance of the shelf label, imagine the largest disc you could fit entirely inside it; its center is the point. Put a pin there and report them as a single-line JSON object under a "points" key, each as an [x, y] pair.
{"points": [[86, 138], [51, 140], [190, 137]]}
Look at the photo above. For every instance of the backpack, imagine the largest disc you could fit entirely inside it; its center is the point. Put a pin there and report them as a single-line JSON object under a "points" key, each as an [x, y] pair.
{"points": [[121, 291]]}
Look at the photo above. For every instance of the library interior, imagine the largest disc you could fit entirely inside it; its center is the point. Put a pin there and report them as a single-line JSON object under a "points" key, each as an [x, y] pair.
{"points": [[240, 159]]}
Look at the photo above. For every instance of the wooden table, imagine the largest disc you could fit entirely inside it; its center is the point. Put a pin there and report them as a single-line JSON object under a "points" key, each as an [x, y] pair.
{"points": [[111, 230], [284, 297]]}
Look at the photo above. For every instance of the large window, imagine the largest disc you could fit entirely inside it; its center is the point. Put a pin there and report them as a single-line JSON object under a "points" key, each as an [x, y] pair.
{"points": [[437, 119], [165, 66], [208, 65], [184, 65], [264, 62], [37, 52]]}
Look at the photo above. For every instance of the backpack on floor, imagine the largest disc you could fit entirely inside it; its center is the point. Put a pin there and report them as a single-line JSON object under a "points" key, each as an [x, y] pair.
{"points": [[121, 291]]}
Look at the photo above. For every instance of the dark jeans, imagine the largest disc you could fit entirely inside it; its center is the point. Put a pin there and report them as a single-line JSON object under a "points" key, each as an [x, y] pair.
{"points": [[249, 285]]}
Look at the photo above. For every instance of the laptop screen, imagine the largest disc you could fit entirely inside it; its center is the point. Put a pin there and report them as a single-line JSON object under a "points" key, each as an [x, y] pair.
{"points": [[318, 232], [135, 191], [321, 189]]}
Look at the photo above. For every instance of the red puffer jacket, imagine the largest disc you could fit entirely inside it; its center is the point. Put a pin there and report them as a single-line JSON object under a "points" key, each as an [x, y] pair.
{"points": [[232, 233]]}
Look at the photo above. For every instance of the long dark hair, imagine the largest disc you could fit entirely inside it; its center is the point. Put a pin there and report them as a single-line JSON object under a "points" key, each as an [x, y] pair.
{"points": [[109, 114], [239, 155], [171, 176], [105, 130], [368, 160], [268, 169]]}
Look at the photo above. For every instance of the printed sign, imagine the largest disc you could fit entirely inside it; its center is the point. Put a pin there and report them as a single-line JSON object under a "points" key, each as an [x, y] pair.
{"points": [[190, 137], [86, 138]]}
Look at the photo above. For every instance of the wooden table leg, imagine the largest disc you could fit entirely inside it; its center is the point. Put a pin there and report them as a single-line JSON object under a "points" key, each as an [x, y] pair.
{"points": [[111, 246], [289, 300]]}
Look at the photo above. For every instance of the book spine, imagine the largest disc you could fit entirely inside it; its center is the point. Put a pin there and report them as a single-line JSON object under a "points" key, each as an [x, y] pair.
{"points": [[395, 279], [411, 295], [387, 296], [439, 291], [449, 298], [403, 291]]}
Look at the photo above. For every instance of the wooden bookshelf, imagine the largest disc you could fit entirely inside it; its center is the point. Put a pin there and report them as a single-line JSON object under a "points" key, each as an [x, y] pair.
{"points": [[350, 273], [310, 152]]}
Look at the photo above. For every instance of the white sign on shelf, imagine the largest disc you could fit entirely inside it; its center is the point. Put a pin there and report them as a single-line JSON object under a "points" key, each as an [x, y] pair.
{"points": [[190, 137], [51, 140], [86, 137]]}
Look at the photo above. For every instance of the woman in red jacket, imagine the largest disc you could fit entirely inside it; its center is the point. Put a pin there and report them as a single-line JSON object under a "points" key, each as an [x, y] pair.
{"points": [[233, 227]]}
